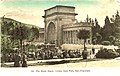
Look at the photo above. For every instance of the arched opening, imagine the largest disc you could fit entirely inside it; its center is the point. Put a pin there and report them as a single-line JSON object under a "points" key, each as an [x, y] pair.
{"points": [[51, 33]]}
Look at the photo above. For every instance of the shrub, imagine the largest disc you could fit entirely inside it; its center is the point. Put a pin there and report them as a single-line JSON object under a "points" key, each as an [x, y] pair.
{"points": [[107, 53], [117, 43], [118, 50], [106, 43]]}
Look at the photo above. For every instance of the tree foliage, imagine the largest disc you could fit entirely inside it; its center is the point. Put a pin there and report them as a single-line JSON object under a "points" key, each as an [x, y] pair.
{"points": [[111, 29], [96, 32], [6, 27], [111, 39], [83, 34], [13, 33], [20, 33], [107, 20], [99, 38], [34, 33]]}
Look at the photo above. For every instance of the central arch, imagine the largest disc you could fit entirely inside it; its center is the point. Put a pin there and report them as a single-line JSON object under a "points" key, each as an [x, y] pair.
{"points": [[51, 33]]}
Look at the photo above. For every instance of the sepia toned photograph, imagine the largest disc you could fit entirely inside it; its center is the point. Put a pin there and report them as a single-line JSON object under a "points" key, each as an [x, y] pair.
{"points": [[60, 33]]}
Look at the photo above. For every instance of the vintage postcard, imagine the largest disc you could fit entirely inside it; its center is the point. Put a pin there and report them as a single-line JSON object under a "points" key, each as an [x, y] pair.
{"points": [[60, 36]]}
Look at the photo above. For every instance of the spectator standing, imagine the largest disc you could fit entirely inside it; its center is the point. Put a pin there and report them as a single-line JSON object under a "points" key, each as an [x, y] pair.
{"points": [[93, 50], [17, 61], [24, 60]]}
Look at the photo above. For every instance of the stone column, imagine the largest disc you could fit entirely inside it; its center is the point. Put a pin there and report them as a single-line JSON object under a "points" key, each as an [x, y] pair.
{"points": [[90, 35], [72, 37], [63, 37], [66, 37], [65, 34], [76, 38], [69, 37]]}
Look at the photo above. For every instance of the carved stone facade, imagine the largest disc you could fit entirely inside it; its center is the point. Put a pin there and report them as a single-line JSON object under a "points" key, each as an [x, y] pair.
{"points": [[60, 26], [70, 33]]}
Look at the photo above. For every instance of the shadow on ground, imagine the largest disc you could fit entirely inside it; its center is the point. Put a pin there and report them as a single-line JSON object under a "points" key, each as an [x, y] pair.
{"points": [[55, 62]]}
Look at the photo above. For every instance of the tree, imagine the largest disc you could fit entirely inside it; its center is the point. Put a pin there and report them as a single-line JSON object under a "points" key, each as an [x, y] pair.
{"points": [[117, 25], [6, 27], [109, 29], [20, 33], [6, 42], [83, 34], [98, 37], [6, 45], [111, 39], [35, 32], [107, 20], [96, 27], [94, 40], [117, 17], [96, 30]]}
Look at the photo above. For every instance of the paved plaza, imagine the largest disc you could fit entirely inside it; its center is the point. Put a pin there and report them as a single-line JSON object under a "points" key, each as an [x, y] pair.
{"points": [[89, 64], [77, 63]]}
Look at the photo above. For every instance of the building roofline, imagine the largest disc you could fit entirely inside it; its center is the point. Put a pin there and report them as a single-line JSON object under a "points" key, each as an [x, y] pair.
{"points": [[59, 6], [81, 24], [59, 13]]}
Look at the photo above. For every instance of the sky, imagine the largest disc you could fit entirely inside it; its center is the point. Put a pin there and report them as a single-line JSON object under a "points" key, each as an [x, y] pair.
{"points": [[31, 11]]}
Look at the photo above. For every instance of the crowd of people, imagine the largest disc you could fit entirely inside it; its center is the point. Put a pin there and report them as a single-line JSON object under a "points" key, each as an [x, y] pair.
{"points": [[44, 54], [57, 54], [8, 57], [20, 59]]}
